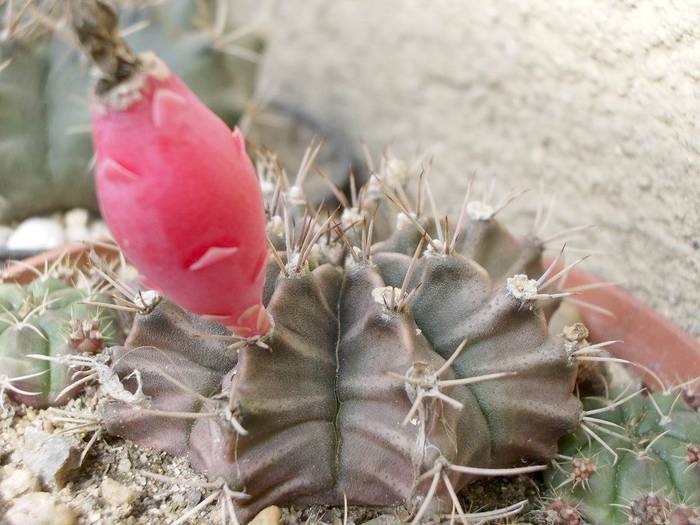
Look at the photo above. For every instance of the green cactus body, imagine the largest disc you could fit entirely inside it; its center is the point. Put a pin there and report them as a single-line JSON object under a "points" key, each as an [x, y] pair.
{"points": [[45, 143], [46, 318], [23, 116], [657, 472], [319, 410]]}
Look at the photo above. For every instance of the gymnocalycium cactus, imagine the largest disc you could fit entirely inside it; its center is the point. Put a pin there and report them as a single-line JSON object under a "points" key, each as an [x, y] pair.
{"points": [[45, 148], [644, 469], [45, 322], [380, 360]]}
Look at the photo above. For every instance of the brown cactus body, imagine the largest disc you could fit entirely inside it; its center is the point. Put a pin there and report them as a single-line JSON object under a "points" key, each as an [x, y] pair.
{"points": [[356, 346]]}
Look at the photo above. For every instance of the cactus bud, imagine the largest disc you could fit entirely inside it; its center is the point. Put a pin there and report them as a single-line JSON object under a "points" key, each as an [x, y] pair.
{"points": [[166, 167]]}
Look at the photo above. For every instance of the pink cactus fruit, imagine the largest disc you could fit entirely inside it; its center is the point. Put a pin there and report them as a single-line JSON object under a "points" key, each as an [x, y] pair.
{"points": [[181, 197]]}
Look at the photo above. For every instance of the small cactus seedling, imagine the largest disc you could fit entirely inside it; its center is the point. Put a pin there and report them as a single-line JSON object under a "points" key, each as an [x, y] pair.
{"points": [[644, 466], [46, 321]]}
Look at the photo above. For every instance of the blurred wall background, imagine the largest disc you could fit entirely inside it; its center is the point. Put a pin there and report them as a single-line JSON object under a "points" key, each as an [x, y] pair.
{"points": [[600, 99]]}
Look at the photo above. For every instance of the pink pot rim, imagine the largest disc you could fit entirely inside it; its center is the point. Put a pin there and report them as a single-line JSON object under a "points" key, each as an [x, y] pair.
{"points": [[78, 253], [648, 338]]}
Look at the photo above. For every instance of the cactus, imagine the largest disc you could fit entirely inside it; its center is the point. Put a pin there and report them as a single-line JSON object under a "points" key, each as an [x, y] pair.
{"points": [[384, 373], [378, 358], [644, 469], [45, 148], [44, 322]]}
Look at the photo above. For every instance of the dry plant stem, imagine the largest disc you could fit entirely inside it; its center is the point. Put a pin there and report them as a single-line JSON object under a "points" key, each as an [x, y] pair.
{"points": [[97, 28]]}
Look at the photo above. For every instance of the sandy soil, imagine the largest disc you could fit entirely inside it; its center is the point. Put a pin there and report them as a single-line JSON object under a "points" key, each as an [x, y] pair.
{"points": [[159, 502]]}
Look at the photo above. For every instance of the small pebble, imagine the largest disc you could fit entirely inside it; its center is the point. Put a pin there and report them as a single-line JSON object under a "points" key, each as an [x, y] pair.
{"points": [[99, 230], [39, 508], [76, 217], [194, 496], [178, 499], [38, 233], [77, 225], [124, 465], [18, 482], [268, 516], [54, 459], [117, 494], [44, 233]]}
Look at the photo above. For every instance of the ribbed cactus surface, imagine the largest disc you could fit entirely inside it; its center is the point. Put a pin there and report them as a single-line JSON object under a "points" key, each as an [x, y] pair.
{"points": [[395, 372]]}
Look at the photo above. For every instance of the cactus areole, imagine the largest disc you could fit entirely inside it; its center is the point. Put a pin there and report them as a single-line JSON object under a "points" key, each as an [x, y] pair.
{"points": [[174, 184]]}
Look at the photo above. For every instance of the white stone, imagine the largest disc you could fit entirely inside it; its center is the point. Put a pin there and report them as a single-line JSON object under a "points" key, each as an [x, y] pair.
{"points": [[76, 217], [124, 465], [39, 508], [78, 234], [117, 494], [38, 233], [55, 459], [99, 230], [18, 482], [76, 221], [268, 516]]}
